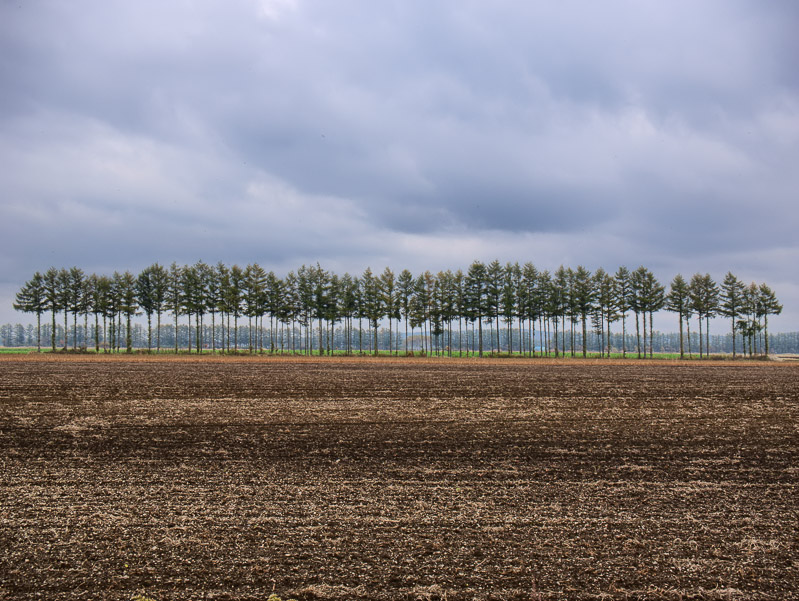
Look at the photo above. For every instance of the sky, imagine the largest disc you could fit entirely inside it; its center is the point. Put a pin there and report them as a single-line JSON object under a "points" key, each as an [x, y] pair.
{"points": [[409, 134]]}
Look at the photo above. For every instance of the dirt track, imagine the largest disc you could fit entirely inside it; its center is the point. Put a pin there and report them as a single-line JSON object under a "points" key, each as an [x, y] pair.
{"points": [[333, 479]]}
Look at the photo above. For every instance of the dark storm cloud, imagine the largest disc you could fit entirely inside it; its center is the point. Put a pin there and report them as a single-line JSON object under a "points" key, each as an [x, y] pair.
{"points": [[423, 134]]}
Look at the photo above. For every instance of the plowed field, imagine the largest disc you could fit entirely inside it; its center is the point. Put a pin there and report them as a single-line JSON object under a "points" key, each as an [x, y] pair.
{"points": [[377, 479]]}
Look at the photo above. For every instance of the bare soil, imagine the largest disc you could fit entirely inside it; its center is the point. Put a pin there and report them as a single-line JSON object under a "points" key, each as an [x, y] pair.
{"points": [[379, 479]]}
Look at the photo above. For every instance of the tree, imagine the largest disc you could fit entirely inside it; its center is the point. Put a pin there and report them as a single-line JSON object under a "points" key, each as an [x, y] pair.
{"points": [[388, 289], [511, 286], [404, 295], [321, 283], [32, 299], [126, 290], [446, 304], [732, 292], [561, 304], [750, 326], [174, 302], [373, 307], [584, 295], [255, 299], [655, 301], [704, 297], [530, 301], [420, 305], [604, 285], [222, 279], [636, 300], [623, 290], [75, 300], [233, 301], [768, 305], [65, 300], [459, 289], [101, 304], [476, 295], [145, 296], [160, 282], [493, 298], [349, 306], [677, 302], [305, 303], [52, 298]]}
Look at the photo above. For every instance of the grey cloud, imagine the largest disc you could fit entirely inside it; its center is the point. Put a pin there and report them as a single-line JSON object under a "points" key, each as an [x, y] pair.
{"points": [[161, 131]]}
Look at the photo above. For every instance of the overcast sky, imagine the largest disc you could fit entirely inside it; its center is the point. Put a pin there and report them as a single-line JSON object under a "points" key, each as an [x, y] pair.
{"points": [[413, 134]]}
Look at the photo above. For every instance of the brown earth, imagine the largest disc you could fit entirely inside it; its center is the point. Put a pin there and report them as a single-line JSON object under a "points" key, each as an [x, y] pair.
{"points": [[232, 478]]}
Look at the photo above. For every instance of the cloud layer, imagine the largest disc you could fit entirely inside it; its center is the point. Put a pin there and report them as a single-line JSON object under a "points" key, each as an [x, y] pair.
{"points": [[409, 134]]}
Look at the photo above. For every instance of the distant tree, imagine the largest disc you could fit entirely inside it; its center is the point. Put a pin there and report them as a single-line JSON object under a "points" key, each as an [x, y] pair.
{"points": [[321, 283], [768, 305], [290, 307], [373, 307], [624, 292], [493, 298], [749, 325], [305, 303], [677, 302], [404, 295], [76, 300], [511, 284], [437, 312], [732, 292], [332, 314], [637, 301], [605, 285], [222, 278], [128, 306], [447, 304], [655, 301], [476, 295], [530, 302], [256, 301], [65, 300], [32, 299], [389, 293], [349, 306], [52, 299], [420, 305], [145, 296], [584, 296], [234, 300], [560, 301], [459, 289], [202, 274], [174, 303], [704, 297], [101, 304]]}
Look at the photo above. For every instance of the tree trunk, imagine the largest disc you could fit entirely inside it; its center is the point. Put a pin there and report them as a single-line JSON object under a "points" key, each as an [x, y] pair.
{"points": [[638, 334], [700, 337], [624, 335], [479, 335], [585, 350]]}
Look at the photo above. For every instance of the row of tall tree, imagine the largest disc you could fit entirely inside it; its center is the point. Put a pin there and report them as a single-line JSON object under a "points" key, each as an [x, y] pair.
{"points": [[548, 311]]}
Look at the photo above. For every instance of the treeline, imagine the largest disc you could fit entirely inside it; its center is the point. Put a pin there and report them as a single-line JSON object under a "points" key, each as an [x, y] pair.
{"points": [[489, 308]]}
